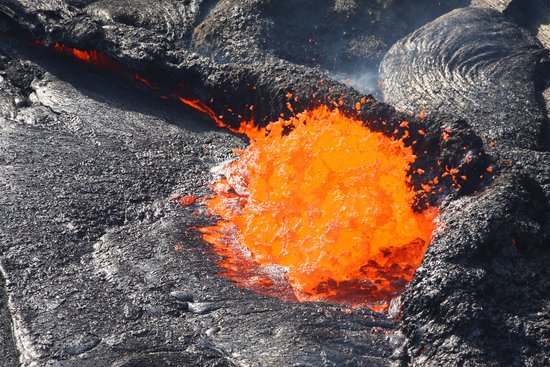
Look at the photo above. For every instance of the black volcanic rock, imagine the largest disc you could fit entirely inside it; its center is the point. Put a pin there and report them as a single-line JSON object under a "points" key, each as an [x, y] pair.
{"points": [[96, 257], [482, 296], [251, 82], [222, 49], [475, 64], [531, 14], [499, 5], [343, 36], [8, 350]]}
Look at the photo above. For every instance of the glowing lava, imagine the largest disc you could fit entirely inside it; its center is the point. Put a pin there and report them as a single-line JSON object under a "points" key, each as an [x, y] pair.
{"points": [[93, 57], [321, 203]]}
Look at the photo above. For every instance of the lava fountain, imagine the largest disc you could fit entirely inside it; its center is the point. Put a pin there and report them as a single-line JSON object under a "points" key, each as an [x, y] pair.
{"points": [[320, 208]]}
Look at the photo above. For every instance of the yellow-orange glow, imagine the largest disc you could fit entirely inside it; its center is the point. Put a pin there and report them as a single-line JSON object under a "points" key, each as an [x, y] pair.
{"points": [[322, 203]]}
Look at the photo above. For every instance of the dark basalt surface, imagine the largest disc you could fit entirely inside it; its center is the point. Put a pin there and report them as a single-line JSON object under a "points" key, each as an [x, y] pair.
{"points": [[346, 37], [102, 269], [89, 233], [491, 73], [482, 295], [224, 49], [531, 14], [8, 352]]}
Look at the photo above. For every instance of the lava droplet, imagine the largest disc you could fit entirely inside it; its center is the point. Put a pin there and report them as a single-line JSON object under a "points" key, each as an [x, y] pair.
{"points": [[320, 203]]}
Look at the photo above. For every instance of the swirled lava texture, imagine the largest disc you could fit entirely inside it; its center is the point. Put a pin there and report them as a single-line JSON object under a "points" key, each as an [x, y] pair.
{"points": [[319, 207]]}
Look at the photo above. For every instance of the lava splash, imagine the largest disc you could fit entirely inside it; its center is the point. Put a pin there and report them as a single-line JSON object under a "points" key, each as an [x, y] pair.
{"points": [[320, 208]]}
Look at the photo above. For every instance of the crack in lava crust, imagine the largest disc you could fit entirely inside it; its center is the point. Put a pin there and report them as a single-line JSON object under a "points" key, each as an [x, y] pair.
{"points": [[320, 208]]}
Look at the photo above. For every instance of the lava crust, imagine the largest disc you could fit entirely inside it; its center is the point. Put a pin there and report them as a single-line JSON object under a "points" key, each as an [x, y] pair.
{"points": [[481, 295], [452, 71]]}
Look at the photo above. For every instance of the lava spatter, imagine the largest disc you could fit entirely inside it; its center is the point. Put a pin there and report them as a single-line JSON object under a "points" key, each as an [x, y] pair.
{"points": [[323, 204]]}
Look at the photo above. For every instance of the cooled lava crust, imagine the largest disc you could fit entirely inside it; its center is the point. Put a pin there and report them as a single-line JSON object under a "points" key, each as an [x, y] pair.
{"points": [[492, 259]]}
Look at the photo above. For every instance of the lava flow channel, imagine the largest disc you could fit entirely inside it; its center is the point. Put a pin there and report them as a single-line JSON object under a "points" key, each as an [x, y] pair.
{"points": [[320, 208]]}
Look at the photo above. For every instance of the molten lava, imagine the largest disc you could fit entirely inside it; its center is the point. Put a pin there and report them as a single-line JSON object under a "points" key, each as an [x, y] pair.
{"points": [[93, 57], [321, 203]]}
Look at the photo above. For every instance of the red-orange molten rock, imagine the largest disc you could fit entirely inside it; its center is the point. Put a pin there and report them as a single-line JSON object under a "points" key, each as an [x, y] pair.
{"points": [[93, 57], [321, 203]]}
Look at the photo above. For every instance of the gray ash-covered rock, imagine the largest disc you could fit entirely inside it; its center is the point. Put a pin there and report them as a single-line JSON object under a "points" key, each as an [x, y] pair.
{"points": [[482, 296]]}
